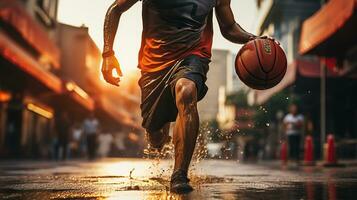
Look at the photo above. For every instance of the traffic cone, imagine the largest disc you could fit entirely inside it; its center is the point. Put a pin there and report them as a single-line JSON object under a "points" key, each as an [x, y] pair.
{"points": [[284, 153], [309, 151], [331, 159]]}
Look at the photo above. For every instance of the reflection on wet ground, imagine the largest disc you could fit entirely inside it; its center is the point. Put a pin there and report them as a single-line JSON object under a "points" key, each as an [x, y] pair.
{"points": [[146, 179]]}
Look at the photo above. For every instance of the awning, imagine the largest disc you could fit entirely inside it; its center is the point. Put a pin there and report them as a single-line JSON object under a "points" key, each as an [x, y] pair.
{"points": [[79, 96], [15, 15], [330, 31], [258, 97], [311, 69], [19, 57]]}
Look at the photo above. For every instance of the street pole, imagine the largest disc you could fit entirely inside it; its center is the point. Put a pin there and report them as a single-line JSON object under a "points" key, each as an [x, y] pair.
{"points": [[322, 100], [322, 104]]}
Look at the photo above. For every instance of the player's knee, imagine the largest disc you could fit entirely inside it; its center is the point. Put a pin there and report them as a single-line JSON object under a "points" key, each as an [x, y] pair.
{"points": [[186, 93]]}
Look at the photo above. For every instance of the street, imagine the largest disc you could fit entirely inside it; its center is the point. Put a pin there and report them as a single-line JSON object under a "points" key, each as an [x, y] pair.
{"points": [[148, 179], [249, 91]]}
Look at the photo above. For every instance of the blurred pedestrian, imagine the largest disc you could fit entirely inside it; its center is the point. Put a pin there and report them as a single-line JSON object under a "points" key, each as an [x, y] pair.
{"points": [[293, 127], [119, 143], [90, 130], [105, 141], [63, 128], [76, 140]]}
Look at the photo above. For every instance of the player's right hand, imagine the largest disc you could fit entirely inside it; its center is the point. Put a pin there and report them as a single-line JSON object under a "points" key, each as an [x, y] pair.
{"points": [[110, 63]]}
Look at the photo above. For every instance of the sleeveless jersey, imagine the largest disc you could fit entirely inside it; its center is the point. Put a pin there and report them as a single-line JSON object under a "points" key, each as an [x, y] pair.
{"points": [[174, 29]]}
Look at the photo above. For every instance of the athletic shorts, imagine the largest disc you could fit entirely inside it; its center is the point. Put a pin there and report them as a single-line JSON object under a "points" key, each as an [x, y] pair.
{"points": [[158, 105]]}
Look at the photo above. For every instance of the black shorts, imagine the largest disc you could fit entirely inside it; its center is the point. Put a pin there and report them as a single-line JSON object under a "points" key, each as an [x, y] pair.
{"points": [[158, 105]]}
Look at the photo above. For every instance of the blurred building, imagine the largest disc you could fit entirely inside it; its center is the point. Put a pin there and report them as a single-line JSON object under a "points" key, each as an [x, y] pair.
{"points": [[330, 34], [48, 68], [81, 61], [305, 31], [282, 19], [220, 82], [29, 59]]}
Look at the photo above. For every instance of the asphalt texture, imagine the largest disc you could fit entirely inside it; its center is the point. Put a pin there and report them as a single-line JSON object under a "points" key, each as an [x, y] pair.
{"points": [[137, 179]]}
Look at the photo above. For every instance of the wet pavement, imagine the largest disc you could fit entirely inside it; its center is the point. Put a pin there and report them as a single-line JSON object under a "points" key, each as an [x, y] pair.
{"points": [[148, 179]]}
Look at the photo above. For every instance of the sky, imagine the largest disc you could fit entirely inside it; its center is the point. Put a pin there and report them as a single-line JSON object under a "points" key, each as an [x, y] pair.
{"points": [[91, 14]]}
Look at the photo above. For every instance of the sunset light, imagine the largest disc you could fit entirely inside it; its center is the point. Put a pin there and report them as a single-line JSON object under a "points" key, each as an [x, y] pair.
{"points": [[178, 99], [92, 15]]}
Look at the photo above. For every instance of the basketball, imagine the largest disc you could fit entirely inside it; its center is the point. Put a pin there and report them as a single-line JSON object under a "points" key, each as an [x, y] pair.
{"points": [[261, 64]]}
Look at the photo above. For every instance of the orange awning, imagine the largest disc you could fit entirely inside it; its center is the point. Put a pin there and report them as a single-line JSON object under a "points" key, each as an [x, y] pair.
{"points": [[311, 69], [331, 30], [15, 15], [79, 96], [19, 57]]}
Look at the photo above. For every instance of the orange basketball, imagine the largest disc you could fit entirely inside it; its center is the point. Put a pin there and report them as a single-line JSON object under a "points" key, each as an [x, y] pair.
{"points": [[261, 64]]}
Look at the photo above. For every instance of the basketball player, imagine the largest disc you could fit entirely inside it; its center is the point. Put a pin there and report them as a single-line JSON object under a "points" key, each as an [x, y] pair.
{"points": [[174, 57]]}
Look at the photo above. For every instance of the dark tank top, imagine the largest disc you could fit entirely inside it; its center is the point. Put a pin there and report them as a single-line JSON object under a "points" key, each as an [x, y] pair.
{"points": [[174, 29]]}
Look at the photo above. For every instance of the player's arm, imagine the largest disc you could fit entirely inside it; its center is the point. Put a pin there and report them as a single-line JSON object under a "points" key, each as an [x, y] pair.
{"points": [[230, 29], [110, 28]]}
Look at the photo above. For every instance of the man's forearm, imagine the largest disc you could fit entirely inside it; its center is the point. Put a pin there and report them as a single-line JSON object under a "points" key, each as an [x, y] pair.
{"points": [[237, 34], [230, 29], [111, 26]]}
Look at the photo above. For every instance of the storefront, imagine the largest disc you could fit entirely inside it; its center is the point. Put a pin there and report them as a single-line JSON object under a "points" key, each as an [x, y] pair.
{"points": [[26, 114], [330, 34], [28, 58]]}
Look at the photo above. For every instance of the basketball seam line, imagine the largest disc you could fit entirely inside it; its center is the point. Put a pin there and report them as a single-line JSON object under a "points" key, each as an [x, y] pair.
{"points": [[267, 77], [274, 59], [283, 72], [260, 79], [256, 50], [258, 84], [250, 73]]}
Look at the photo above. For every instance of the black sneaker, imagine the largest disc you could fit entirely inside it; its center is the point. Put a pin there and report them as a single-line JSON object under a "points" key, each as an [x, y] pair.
{"points": [[180, 183]]}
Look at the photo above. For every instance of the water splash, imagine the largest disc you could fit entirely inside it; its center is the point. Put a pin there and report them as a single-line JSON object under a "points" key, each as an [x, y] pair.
{"points": [[131, 173], [201, 153], [155, 156]]}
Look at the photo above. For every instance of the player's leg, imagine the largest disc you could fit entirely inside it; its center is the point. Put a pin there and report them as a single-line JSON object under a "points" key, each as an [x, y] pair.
{"points": [[159, 138], [185, 132]]}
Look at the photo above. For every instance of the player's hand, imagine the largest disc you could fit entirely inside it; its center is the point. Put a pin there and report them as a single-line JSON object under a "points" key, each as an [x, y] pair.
{"points": [[253, 37], [110, 63], [269, 38]]}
